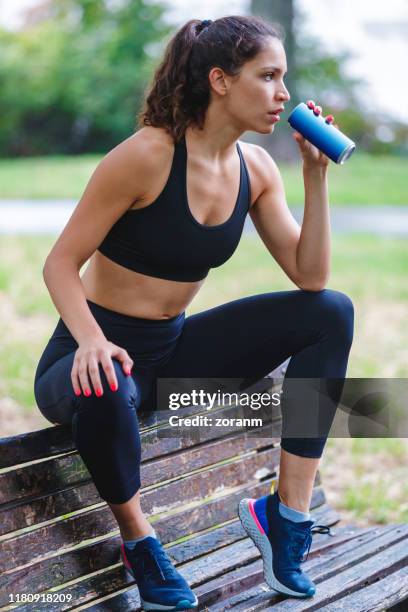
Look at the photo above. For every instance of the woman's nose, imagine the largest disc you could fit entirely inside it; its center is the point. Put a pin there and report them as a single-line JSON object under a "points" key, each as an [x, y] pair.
{"points": [[285, 95]]}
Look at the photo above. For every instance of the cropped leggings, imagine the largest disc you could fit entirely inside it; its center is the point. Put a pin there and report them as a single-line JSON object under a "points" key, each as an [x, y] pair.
{"points": [[246, 338]]}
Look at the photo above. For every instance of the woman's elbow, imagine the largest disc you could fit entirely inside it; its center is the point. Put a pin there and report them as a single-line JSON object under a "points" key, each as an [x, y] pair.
{"points": [[57, 265]]}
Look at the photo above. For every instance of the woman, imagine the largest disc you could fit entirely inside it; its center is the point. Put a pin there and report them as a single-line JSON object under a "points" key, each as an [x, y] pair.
{"points": [[161, 209]]}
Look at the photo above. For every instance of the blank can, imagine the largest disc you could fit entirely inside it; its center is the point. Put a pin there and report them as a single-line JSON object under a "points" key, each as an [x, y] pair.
{"points": [[327, 138]]}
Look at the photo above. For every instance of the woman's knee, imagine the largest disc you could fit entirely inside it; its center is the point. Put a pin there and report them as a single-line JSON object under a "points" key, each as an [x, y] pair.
{"points": [[126, 384], [335, 310], [54, 393], [335, 307], [111, 403]]}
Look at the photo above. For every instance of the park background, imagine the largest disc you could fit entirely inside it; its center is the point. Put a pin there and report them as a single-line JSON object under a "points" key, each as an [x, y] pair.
{"points": [[72, 78]]}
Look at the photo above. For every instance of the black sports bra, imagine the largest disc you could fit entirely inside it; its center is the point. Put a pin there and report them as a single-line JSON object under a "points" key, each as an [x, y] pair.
{"points": [[164, 240]]}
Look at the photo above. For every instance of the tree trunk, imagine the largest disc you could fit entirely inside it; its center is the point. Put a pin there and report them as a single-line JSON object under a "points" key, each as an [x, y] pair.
{"points": [[281, 144]]}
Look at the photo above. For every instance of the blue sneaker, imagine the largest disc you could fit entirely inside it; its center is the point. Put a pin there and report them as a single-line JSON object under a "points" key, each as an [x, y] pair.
{"points": [[282, 548], [161, 586]]}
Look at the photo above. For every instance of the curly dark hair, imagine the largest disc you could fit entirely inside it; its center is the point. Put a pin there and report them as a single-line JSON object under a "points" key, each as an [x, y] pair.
{"points": [[180, 92]]}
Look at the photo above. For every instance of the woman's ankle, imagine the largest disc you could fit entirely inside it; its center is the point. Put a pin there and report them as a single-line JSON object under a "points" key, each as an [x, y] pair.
{"points": [[134, 531], [295, 502]]}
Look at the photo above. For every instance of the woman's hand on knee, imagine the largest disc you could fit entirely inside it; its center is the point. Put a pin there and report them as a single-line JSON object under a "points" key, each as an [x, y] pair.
{"points": [[85, 372]]}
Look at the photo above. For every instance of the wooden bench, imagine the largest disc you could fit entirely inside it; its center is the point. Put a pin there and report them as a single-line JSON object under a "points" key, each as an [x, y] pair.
{"points": [[58, 539]]}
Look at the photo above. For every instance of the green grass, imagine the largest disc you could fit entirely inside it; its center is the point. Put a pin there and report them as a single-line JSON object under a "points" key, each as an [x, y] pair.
{"points": [[368, 268], [379, 466], [364, 180], [371, 270], [46, 177]]}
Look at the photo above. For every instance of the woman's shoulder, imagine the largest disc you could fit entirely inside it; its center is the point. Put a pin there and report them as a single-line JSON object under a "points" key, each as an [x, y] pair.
{"points": [[255, 155], [151, 137], [147, 149]]}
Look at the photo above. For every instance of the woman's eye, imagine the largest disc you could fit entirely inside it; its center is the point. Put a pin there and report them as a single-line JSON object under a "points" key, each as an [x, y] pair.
{"points": [[271, 74]]}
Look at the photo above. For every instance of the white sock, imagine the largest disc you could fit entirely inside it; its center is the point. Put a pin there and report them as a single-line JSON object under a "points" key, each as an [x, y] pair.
{"points": [[293, 515]]}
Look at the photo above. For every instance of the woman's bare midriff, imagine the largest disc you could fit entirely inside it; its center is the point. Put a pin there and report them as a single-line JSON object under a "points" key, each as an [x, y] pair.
{"points": [[110, 285]]}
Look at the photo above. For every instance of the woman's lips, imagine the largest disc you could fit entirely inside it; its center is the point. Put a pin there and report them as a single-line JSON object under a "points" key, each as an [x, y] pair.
{"points": [[274, 117]]}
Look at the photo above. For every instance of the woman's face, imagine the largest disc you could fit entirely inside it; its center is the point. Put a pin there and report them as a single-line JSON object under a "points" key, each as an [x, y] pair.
{"points": [[259, 89]]}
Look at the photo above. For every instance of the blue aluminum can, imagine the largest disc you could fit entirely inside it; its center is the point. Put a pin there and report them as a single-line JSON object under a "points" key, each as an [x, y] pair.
{"points": [[327, 138]]}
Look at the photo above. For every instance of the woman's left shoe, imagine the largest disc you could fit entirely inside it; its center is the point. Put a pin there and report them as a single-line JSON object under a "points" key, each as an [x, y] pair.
{"points": [[282, 546], [161, 586]]}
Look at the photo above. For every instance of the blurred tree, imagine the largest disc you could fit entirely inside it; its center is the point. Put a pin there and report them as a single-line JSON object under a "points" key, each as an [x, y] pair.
{"points": [[283, 12], [73, 78], [280, 144]]}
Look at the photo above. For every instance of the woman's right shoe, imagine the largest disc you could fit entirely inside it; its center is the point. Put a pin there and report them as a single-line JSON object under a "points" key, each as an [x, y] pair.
{"points": [[282, 547], [161, 586]]}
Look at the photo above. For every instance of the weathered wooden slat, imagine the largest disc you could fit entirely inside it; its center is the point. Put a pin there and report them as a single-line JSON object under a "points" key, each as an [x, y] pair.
{"points": [[69, 566], [93, 557], [221, 587], [164, 440], [46, 507], [155, 442], [42, 478], [221, 560], [167, 467], [352, 579], [352, 566], [218, 593], [222, 565], [261, 597], [68, 470], [189, 488], [55, 440], [242, 585], [35, 445], [214, 565], [51, 441], [44, 541], [382, 538], [210, 481], [247, 557], [90, 524], [381, 595], [86, 590], [126, 601]]}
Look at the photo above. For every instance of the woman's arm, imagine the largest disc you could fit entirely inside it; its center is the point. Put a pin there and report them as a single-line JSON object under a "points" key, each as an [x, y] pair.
{"points": [[118, 181], [303, 252], [65, 288], [314, 247]]}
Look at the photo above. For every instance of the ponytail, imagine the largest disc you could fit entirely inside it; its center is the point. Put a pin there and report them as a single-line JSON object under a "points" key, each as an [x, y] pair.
{"points": [[180, 93]]}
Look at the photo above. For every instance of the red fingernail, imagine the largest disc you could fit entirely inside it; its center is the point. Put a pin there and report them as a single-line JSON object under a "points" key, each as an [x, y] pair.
{"points": [[98, 392], [87, 392], [310, 104], [114, 387], [77, 392], [317, 110], [329, 119]]}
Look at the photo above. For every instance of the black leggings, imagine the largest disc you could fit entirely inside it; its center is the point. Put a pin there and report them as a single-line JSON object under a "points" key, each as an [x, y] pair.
{"points": [[246, 338]]}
